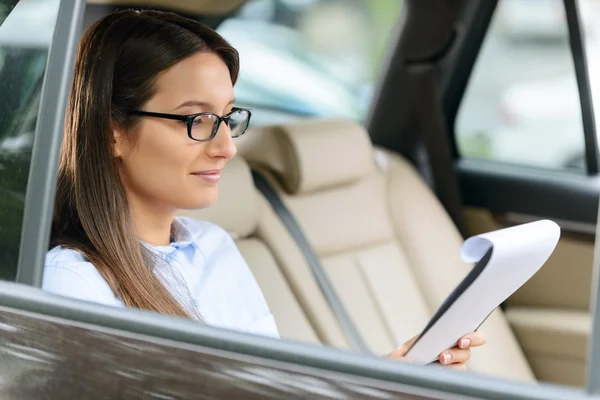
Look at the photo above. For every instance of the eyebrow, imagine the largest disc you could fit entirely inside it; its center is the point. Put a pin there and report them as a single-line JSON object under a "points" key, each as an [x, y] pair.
{"points": [[202, 104]]}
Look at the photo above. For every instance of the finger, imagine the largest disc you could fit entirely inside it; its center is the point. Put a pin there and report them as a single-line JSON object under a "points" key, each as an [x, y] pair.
{"points": [[455, 356], [402, 350], [398, 358], [473, 339], [399, 352], [458, 367]]}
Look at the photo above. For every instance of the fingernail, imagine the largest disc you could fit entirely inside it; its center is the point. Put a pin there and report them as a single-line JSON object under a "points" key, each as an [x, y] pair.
{"points": [[464, 343], [446, 357]]}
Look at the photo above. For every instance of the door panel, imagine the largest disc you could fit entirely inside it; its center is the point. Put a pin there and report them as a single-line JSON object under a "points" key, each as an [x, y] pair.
{"points": [[504, 188], [57, 348], [44, 358], [550, 314], [555, 341]]}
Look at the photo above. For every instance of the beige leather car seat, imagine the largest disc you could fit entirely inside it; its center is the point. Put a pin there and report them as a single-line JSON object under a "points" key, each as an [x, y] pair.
{"points": [[385, 241]]}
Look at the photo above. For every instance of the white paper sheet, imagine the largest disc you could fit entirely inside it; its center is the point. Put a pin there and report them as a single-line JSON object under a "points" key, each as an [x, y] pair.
{"points": [[505, 260]]}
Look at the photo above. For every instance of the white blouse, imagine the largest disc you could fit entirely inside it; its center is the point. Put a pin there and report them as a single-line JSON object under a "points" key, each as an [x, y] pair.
{"points": [[203, 269]]}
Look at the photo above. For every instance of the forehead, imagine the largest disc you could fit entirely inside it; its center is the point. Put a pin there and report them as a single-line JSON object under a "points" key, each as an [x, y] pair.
{"points": [[203, 77]]}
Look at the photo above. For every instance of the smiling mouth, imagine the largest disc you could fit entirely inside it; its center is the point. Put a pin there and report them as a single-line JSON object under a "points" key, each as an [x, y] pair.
{"points": [[209, 176]]}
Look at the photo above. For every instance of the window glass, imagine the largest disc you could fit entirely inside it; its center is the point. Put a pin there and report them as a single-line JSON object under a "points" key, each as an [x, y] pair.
{"points": [[26, 29], [309, 58], [522, 103]]}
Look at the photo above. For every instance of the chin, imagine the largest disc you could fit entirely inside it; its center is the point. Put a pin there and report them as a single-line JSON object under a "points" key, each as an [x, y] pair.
{"points": [[204, 201]]}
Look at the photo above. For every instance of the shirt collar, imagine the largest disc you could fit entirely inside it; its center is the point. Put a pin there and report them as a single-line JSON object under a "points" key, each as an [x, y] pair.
{"points": [[180, 234], [181, 237]]}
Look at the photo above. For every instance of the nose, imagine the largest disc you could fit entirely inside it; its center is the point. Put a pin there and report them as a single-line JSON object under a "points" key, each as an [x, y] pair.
{"points": [[222, 145]]}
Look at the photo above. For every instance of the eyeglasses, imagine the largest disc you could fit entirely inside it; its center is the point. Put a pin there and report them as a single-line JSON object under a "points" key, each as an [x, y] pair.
{"points": [[203, 127]]}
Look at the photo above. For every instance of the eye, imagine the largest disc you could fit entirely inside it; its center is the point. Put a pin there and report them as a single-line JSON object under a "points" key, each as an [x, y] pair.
{"points": [[203, 120]]}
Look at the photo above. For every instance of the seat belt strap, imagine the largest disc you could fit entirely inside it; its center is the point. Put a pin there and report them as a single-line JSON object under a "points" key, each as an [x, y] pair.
{"points": [[313, 261]]}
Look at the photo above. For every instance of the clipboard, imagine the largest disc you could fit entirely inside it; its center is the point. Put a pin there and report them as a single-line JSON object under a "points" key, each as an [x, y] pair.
{"points": [[504, 260]]}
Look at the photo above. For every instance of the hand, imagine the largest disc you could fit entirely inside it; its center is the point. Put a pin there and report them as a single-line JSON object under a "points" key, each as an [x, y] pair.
{"points": [[456, 357]]}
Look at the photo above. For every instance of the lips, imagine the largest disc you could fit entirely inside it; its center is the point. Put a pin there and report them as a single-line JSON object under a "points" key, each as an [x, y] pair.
{"points": [[212, 176]]}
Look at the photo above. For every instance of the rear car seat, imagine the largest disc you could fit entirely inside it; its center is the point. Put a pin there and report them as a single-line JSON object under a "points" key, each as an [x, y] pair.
{"points": [[387, 244]]}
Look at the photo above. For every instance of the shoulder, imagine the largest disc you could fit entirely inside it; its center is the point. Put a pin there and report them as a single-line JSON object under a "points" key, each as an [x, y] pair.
{"points": [[69, 273]]}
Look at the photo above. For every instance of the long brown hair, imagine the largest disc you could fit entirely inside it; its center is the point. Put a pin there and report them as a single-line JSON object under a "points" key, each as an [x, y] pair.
{"points": [[117, 63]]}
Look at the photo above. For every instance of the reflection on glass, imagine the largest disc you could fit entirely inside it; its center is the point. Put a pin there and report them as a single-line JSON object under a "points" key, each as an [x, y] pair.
{"points": [[522, 104], [309, 57], [26, 29]]}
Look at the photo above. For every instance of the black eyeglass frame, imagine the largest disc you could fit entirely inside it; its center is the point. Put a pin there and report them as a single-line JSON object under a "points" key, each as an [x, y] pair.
{"points": [[190, 120]]}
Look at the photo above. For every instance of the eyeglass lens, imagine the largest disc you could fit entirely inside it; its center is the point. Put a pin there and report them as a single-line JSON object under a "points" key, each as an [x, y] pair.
{"points": [[204, 125]]}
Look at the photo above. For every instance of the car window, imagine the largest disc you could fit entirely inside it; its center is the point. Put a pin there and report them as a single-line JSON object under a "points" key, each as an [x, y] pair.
{"points": [[522, 104], [309, 58], [26, 29]]}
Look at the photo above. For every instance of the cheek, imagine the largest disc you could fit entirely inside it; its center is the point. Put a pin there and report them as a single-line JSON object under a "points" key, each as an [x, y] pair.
{"points": [[157, 169]]}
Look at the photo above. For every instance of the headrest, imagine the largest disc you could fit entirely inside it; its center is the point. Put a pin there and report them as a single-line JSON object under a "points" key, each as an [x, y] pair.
{"points": [[311, 155], [237, 210]]}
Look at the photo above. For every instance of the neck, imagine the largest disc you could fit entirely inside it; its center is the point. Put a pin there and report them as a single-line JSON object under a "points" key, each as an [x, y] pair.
{"points": [[152, 223]]}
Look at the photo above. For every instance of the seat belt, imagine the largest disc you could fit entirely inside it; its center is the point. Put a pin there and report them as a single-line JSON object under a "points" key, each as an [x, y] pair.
{"points": [[313, 261], [432, 126]]}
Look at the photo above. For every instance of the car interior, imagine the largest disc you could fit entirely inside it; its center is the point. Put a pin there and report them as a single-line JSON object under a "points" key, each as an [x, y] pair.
{"points": [[383, 202]]}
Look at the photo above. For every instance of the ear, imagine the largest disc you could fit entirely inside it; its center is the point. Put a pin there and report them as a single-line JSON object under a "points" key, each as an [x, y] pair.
{"points": [[119, 140]]}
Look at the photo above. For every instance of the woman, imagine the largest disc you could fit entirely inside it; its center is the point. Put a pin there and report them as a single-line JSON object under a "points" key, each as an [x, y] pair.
{"points": [[149, 127]]}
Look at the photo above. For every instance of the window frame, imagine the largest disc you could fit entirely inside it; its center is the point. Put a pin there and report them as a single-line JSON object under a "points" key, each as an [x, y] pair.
{"points": [[456, 80], [481, 179], [35, 235], [41, 183], [576, 41]]}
